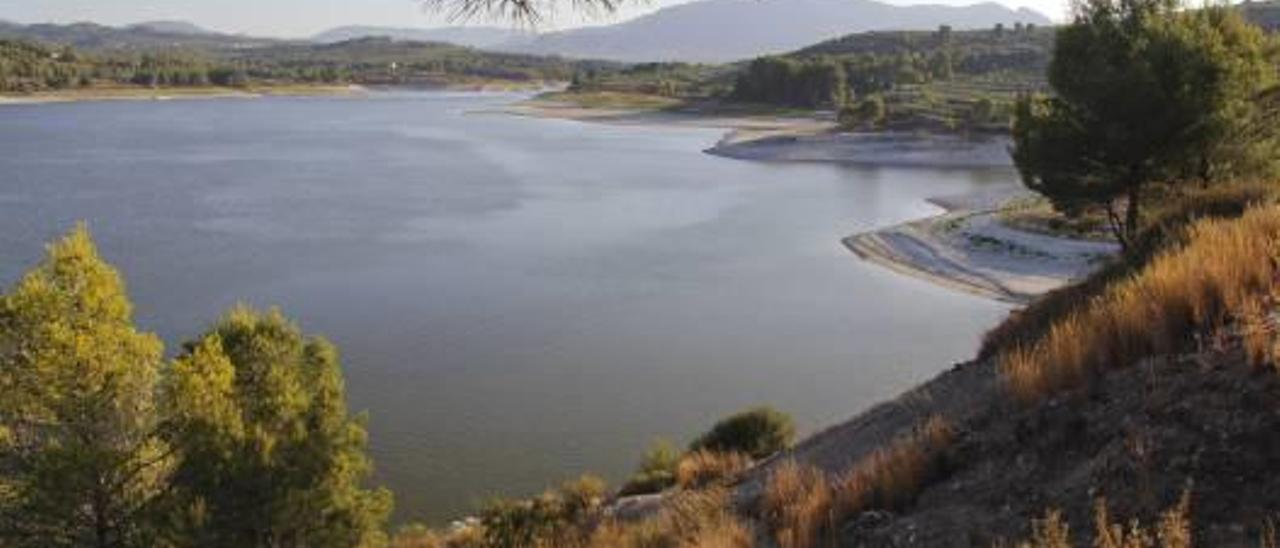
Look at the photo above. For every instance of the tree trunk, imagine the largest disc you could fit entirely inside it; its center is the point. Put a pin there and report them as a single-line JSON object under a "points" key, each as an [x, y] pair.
{"points": [[1131, 215]]}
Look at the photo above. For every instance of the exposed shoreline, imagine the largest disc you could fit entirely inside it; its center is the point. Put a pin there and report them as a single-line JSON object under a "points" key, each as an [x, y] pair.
{"points": [[179, 93], [969, 248], [966, 248]]}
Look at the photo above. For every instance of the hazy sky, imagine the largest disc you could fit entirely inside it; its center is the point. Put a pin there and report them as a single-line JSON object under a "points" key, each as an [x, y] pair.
{"points": [[295, 18]]}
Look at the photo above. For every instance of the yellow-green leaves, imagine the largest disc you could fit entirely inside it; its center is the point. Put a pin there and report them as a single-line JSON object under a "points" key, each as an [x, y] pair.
{"points": [[77, 387]]}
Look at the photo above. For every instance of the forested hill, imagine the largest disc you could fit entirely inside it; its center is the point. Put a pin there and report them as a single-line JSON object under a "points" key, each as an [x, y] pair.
{"points": [[144, 36], [33, 67]]}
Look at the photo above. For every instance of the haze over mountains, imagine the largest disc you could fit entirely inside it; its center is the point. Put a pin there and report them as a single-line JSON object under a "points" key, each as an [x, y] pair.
{"points": [[698, 31], [730, 30]]}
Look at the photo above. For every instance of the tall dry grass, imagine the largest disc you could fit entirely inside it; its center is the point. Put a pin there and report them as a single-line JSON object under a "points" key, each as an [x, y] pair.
{"points": [[702, 468], [797, 506], [802, 507], [1202, 285], [688, 519], [1172, 530], [892, 476]]}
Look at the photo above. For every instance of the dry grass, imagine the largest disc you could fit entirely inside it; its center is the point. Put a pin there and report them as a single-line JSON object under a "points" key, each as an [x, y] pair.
{"points": [[797, 506], [1258, 333], [801, 506], [892, 476], [1199, 286], [1173, 530], [688, 519], [703, 468], [1166, 226]]}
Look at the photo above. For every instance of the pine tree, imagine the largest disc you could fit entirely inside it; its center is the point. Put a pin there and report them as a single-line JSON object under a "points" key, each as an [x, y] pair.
{"points": [[80, 461], [268, 454]]}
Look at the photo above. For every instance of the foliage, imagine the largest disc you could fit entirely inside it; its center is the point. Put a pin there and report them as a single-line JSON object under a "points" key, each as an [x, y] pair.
{"points": [[869, 112], [657, 470], [267, 451], [80, 463], [757, 433], [554, 518], [32, 67], [813, 83], [1145, 92]]}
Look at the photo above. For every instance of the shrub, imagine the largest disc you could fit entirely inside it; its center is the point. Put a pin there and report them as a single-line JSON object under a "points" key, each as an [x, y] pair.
{"points": [[554, 518], [657, 470], [757, 432], [702, 468], [797, 505], [1198, 286]]}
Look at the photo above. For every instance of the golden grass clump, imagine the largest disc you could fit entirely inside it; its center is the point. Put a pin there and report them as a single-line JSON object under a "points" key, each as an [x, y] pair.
{"points": [[892, 476], [702, 468], [797, 505], [1201, 285]]}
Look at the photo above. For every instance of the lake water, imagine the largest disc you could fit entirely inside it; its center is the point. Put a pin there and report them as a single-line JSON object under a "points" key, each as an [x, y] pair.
{"points": [[517, 300]]}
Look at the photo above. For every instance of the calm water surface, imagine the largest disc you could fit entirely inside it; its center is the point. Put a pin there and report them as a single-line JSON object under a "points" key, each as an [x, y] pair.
{"points": [[517, 300]]}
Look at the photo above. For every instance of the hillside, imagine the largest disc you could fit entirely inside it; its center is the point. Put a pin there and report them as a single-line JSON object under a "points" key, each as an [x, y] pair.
{"points": [[145, 36], [732, 30], [474, 37]]}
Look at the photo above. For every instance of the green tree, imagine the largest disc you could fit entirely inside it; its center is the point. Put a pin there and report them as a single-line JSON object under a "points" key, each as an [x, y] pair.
{"points": [[80, 461], [869, 112], [267, 452], [1146, 92]]}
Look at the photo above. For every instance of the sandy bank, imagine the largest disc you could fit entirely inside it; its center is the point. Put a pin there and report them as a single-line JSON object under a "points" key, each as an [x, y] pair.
{"points": [[685, 117], [968, 248], [898, 149]]}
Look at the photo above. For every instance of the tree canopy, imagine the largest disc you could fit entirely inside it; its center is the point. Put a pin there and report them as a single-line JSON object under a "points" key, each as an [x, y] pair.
{"points": [[1145, 92], [243, 440]]}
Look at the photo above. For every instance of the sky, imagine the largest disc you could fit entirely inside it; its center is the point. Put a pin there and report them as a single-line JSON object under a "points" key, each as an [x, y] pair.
{"points": [[299, 18]]}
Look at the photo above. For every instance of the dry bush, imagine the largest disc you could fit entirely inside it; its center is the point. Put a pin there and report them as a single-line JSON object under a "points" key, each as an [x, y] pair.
{"points": [[688, 519], [891, 476], [1195, 287], [702, 468], [797, 506]]}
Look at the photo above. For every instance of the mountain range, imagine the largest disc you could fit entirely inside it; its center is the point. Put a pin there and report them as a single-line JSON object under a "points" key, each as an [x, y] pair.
{"points": [[730, 30], [697, 31]]}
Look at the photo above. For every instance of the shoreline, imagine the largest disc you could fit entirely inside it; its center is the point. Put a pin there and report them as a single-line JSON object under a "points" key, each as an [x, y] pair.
{"points": [[969, 248], [965, 248], [177, 94]]}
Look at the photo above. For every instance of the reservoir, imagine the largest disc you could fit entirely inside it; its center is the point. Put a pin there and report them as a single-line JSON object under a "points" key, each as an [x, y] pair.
{"points": [[517, 300]]}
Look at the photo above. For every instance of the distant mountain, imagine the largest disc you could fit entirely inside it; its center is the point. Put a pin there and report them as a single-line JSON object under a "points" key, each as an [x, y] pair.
{"points": [[475, 37], [142, 36], [729, 30], [171, 27]]}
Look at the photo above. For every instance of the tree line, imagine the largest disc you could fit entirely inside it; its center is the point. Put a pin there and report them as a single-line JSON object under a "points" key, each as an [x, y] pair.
{"points": [[832, 73], [30, 67]]}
